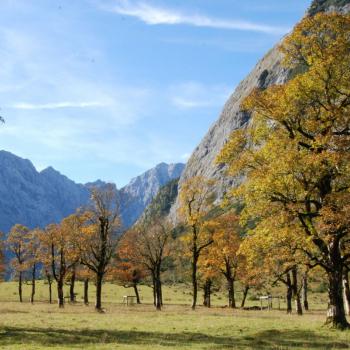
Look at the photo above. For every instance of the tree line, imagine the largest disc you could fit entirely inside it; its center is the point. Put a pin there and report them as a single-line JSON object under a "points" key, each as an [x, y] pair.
{"points": [[287, 219]]}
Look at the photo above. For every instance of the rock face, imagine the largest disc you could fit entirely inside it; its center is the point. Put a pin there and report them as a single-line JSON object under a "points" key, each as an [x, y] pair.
{"points": [[267, 72], [36, 199], [138, 194]]}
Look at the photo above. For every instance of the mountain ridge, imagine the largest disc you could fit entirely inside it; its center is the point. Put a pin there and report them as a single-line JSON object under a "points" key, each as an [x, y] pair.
{"points": [[37, 198]]}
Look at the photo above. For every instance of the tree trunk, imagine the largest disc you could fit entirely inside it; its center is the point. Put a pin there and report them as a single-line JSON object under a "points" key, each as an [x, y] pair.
{"points": [[49, 281], [154, 289], [305, 292], [158, 289], [245, 293], [194, 280], [336, 312], [289, 295], [207, 293], [296, 292], [71, 288], [60, 294], [346, 288], [20, 287], [86, 291], [138, 301], [33, 283], [231, 293], [98, 304]]}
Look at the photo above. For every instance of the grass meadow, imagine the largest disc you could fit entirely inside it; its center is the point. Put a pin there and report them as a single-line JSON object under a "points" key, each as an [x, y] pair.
{"points": [[44, 326]]}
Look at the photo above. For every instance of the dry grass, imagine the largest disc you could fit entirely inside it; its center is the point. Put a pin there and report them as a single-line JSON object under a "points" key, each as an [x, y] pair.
{"points": [[42, 326]]}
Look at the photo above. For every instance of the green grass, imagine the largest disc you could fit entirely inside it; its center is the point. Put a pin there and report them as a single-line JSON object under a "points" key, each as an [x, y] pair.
{"points": [[42, 326]]}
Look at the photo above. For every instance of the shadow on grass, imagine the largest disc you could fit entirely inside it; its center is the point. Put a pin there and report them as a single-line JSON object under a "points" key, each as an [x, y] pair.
{"points": [[272, 339]]}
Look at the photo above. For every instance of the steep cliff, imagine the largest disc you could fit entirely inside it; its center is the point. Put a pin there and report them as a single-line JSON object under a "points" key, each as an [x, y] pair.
{"points": [[267, 72]]}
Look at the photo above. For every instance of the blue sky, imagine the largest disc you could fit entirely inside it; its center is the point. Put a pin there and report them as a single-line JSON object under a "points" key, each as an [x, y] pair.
{"points": [[108, 89]]}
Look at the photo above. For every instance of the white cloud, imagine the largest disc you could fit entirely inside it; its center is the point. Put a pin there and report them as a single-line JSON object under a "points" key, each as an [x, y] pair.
{"points": [[56, 105], [156, 16]]}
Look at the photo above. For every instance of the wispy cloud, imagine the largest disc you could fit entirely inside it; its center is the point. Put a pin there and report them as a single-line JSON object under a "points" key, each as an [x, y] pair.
{"points": [[153, 15], [56, 105]]}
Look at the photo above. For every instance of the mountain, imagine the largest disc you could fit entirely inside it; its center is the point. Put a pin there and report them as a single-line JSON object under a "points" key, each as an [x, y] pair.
{"points": [[267, 72], [138, 194], [37, 198]]}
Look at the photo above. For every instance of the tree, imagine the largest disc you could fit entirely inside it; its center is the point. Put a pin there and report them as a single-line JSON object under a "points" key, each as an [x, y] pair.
{"points": [[33, 257], [99, 235], [295, 151], [196, 200], [150, 245], [224, 250], [58, 246], [127, 270], [17, 243]]}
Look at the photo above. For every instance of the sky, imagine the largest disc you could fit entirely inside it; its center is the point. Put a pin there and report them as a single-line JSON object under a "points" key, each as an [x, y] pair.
{"points": [[107, 89]]}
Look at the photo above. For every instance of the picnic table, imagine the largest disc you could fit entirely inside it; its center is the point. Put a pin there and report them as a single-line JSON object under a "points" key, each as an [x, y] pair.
{"points": [[129, 300]]}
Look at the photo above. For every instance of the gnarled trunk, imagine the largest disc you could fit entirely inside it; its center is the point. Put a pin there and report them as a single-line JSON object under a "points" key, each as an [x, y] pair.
{"points": [[346, 288], [336, 312]]}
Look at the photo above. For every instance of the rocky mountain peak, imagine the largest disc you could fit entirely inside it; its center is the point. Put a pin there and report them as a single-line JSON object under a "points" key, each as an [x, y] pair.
{"points": [[329, 5]]}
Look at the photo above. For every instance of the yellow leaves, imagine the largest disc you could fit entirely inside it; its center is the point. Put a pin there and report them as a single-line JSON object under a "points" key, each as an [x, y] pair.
{"points": [[319, 38], [196, 199]]}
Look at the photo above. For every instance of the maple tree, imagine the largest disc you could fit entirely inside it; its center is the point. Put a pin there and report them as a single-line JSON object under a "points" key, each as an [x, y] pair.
{"points": [[17, 243], [57, 247], [295, 150], [196, 199], [148, 244], [128, 270], [98, 239], [224, 250]]}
